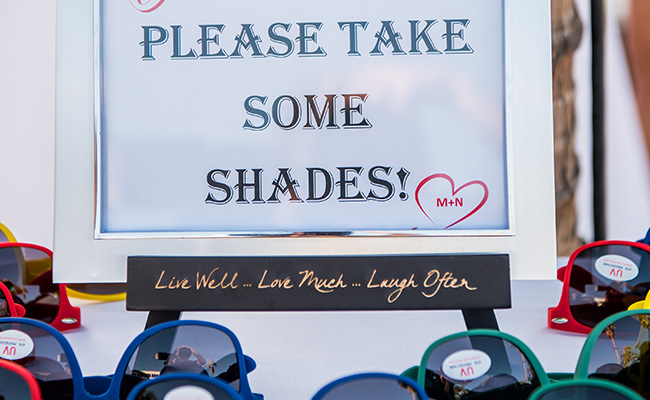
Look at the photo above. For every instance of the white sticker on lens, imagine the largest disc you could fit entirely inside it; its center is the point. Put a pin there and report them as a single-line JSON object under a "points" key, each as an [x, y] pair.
{"points": [[188, 393], [15, 345], [617, 268], [465, 365]]}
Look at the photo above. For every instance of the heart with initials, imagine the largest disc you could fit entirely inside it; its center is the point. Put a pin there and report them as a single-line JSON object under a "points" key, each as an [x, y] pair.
{"points": [[444, 204]]}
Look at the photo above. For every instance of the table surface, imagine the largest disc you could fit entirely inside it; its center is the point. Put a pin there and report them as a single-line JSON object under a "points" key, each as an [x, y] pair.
{"points": [[299, 352]]}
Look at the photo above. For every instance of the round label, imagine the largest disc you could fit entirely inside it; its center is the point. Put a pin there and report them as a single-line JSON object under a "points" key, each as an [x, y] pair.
{"points": [[188, 393], [15, 344], [465, 365], [617, 268]]}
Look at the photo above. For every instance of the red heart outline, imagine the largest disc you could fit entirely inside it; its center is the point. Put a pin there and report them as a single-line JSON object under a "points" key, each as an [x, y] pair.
{"points": [[453, 193], [145, 6]]}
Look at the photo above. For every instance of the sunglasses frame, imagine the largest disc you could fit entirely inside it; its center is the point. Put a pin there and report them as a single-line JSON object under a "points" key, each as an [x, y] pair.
{"points": [[108, 387], [322, 392], [95, 297], [68, 316], [32, 384], [597, 383], [521, 346], [234, 395], [563, 310], [582, 369]]}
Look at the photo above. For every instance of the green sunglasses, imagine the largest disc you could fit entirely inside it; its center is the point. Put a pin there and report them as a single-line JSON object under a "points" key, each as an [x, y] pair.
{"points": [[479, 364]]}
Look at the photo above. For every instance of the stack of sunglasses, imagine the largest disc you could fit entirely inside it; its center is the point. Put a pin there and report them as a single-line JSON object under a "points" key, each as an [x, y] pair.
{"points": [[605, 295], [169, 361]]}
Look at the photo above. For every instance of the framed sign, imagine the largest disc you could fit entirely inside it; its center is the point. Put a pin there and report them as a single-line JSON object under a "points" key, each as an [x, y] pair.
{"points": [[194, 129]]}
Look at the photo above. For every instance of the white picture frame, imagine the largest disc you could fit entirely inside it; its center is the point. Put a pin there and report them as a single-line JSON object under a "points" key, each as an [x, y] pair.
{"points": [[85, 254]]}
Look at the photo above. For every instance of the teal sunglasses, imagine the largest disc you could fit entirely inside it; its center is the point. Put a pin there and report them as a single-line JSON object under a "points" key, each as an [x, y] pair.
{"points": [[479, 364]]}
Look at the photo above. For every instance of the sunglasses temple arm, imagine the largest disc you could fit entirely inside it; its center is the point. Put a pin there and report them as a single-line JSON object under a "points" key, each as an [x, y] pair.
{"points": [[646, 239], [20, 310], [560, 273]]}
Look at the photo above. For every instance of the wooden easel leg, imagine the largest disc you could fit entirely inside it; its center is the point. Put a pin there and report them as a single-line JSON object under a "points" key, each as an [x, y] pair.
{"points": [[480, 318], [158, 317]]}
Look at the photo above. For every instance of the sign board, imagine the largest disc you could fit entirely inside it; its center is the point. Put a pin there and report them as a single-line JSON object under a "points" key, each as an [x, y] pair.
{"points": [[280, 283], [321, 129], [301, 118]]}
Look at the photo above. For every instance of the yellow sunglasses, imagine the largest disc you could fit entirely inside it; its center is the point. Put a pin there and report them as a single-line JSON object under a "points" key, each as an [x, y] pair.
{"points": [[85, 291]]}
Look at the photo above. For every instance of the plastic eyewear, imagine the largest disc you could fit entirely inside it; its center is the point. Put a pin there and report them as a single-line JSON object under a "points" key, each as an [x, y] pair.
{"points": [[479, 364], [582, 389], [213, 351], [600, 279], [183, 387], [618, 350], [371, 386], [26, 270], [16, 383]]}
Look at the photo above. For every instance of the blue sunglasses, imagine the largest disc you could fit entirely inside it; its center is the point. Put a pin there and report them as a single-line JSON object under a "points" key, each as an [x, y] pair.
{"points": [[371, 386], [176, 347]]}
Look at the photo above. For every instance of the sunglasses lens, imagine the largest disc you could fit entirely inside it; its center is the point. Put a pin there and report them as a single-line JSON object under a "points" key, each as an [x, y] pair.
{"points": [[481, 367], [191, 349], [622, 353], [27, 273], [3, 235], [13, 386], [372, 388], [606, 280], [184, 389], [582, 393], [41, 354]]}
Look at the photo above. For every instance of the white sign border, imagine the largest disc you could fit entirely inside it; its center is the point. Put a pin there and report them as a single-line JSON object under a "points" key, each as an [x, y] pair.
{"points": [[80, 257]]}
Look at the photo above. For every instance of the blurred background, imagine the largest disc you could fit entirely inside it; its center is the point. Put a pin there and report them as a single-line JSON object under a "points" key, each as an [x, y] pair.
{"points": [[27, 104]]}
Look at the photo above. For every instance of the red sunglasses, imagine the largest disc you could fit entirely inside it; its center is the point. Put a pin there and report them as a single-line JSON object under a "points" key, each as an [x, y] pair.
{"points": [[26, 271], [600, 279], [17, 382]]}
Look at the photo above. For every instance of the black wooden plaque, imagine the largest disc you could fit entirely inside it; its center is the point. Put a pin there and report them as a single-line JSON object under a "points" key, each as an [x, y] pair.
{"points": [[311, 283]]}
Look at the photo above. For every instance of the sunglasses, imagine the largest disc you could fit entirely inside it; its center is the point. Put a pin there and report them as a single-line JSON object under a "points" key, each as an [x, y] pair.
{"points": [[371, 386], [618, 350], [183, 387], [26, 270], [582, 389], [479, 364], [176, 347], [16, 383], [600, 279]]}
